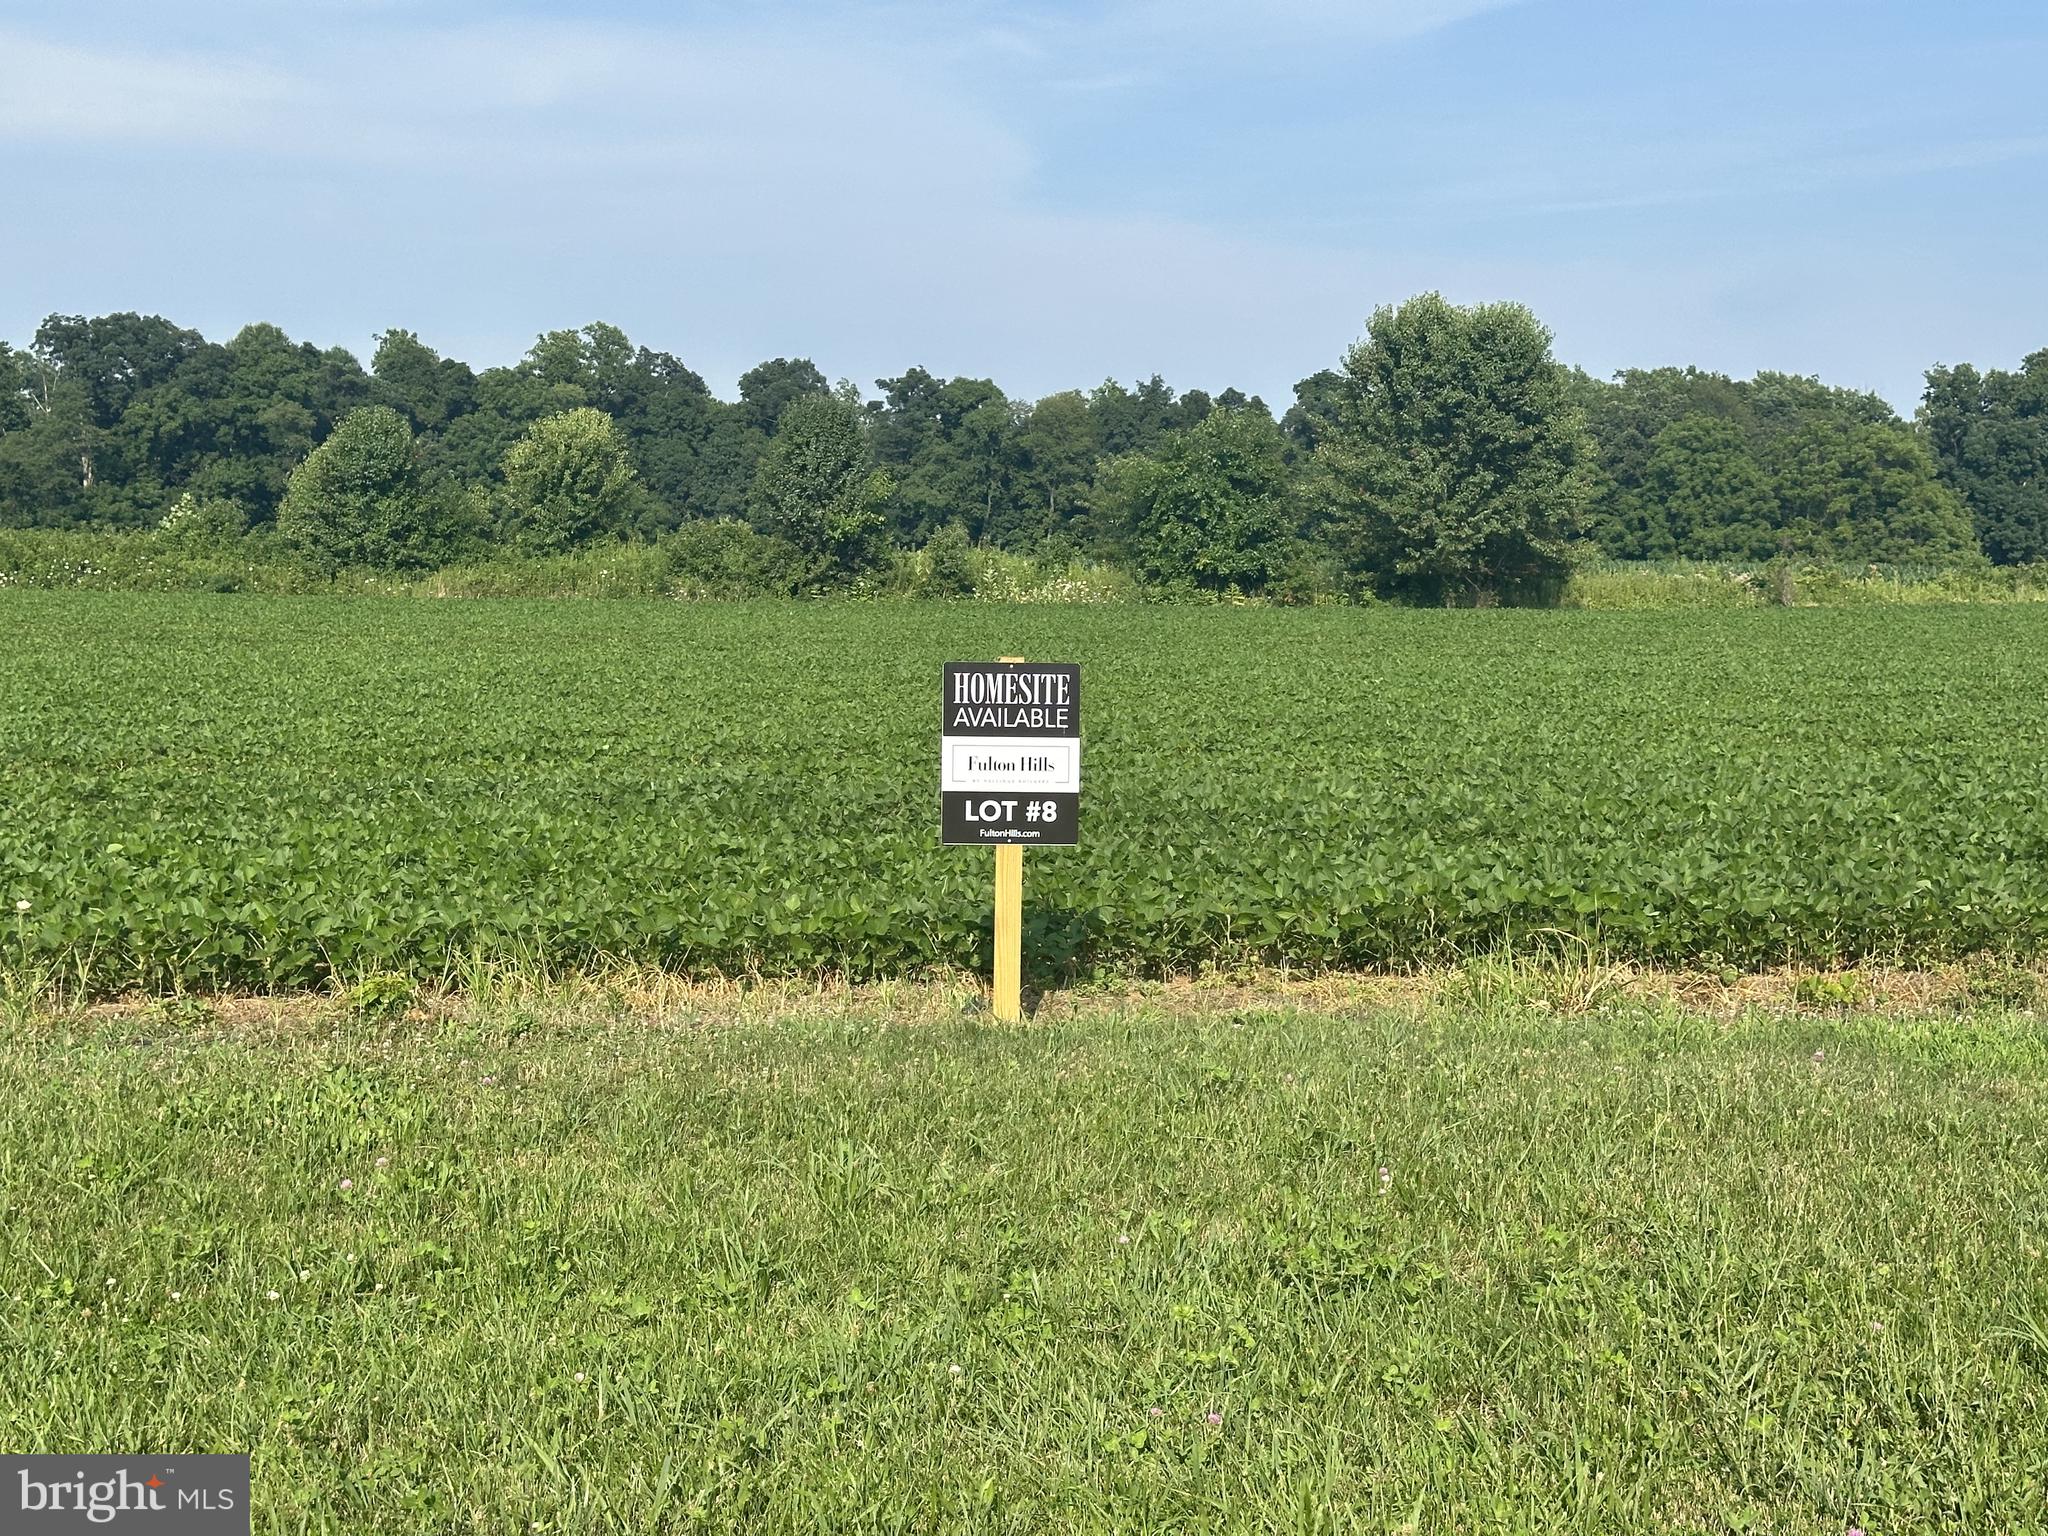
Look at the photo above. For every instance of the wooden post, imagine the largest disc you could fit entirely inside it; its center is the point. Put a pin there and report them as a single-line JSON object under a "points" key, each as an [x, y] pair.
{"points": [[1008, 1002], [1007, 999]]}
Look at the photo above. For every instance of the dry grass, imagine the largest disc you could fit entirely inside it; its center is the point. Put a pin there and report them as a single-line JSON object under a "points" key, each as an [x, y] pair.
{"points": [[1567, 987]]}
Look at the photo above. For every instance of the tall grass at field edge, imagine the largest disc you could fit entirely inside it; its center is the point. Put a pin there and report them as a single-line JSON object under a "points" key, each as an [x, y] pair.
{"points": [[72, 559]]}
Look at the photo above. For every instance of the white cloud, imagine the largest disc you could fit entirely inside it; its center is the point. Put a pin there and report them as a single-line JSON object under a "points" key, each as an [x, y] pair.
{"points": [[523, 98], [1330, 19], [55, 91], [1137, 42], [1694, 170]]}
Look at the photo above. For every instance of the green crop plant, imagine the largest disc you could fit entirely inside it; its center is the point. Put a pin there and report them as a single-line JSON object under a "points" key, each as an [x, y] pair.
{"points": [[210, 792]]}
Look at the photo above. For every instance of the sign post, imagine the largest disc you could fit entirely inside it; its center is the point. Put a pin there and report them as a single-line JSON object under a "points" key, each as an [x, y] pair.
{"points": [[1010, 775], [1006, 996]]}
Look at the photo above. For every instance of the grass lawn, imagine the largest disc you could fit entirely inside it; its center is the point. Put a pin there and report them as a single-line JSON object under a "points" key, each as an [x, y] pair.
{"points": [[1477, 1263]]}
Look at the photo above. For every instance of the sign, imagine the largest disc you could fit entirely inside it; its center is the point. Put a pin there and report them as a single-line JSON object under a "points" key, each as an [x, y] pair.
{"points": [[1010, 753]]}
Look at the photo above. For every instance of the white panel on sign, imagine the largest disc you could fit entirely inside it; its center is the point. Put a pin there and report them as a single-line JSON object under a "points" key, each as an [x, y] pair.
{"points": [[1050, 766]]}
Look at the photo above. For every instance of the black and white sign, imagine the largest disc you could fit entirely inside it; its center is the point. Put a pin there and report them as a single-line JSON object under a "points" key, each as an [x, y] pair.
{"points": [[1010, 752]]}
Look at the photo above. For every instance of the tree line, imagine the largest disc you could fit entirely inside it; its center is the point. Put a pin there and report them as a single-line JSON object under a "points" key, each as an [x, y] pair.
{"points": [[1448, 457]]}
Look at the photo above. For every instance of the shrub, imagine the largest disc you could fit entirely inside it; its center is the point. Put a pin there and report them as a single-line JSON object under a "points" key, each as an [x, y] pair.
{"points": [[949, 566], [360, 499], [196, 526], [1212, 512], [728, 559], [570, 480]]}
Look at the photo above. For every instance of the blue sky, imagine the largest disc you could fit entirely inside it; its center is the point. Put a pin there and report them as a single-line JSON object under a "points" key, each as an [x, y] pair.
{"points": [[1045, 193]]}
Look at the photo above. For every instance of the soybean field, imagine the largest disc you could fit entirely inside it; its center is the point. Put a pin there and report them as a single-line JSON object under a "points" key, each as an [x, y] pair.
{"points": [[214, 792]]}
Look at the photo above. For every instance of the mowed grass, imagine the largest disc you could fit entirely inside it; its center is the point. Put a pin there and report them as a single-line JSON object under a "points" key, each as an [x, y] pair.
{"points": [[880, 1266]]}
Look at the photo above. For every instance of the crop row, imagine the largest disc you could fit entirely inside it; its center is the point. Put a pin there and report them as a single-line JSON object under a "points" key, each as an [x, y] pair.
{"points": [[245, 792]]}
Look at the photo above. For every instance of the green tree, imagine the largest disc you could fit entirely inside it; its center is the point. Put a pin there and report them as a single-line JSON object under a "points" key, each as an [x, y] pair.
{"points": [[1457, 466], [134, 412], [360, 499], [1626, 418], [1870, 493], [115, 358], [597, 361], [1703, 496], [1314, 410], [1989, 433], [412, 377], [17, 389], [46, 450], [1784, 403], [770, 388], [74, 462], [1133, 421], [726, 460], [1212, 511], [239, 417], [1630, 417], [570, 480], [1056, 451], [695, 454], [508, 401], [817, 490], [950, 447]]}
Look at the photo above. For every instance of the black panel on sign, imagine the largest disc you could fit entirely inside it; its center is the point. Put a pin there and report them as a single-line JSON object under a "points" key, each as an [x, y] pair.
{"points": [[1010, 698], [971, 816]]}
